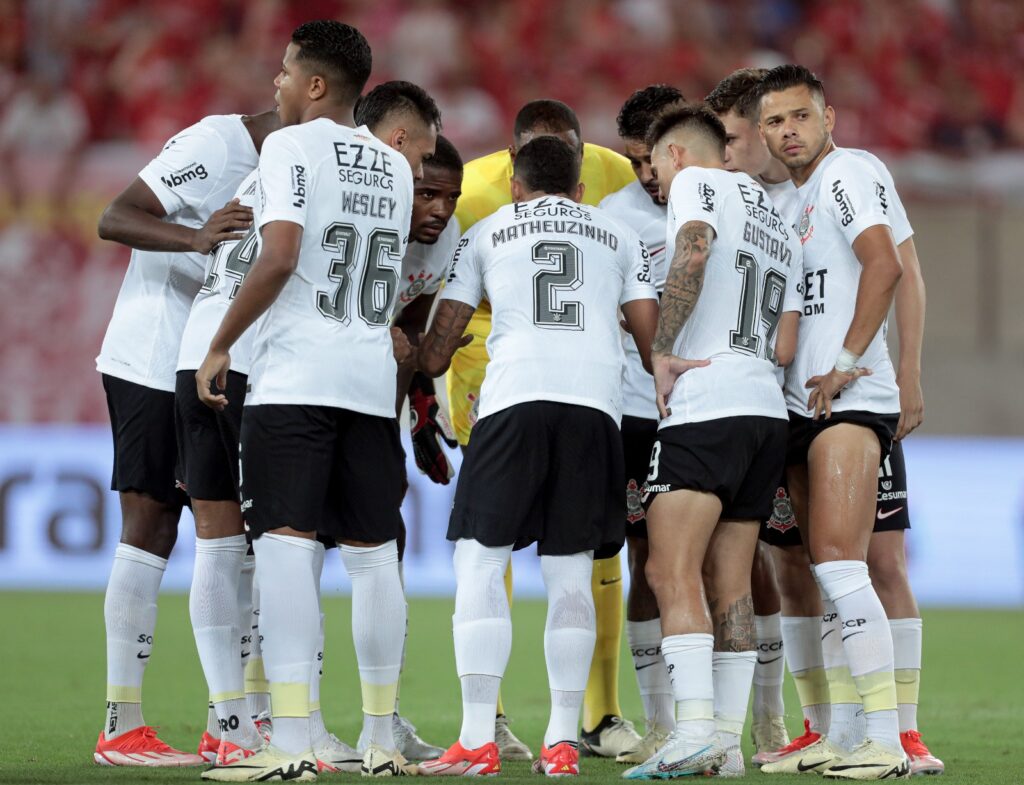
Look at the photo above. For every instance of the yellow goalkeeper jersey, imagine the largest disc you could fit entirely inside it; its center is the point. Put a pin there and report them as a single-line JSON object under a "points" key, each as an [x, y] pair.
{"points": [[485, 188]]}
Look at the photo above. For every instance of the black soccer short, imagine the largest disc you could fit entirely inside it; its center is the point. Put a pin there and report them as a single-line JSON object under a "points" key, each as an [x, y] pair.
{"points": [[739, 459], [543, 472], [638, 437], [208, 439], [321, 469], [892, 512], [145, 452], [803, 430]]}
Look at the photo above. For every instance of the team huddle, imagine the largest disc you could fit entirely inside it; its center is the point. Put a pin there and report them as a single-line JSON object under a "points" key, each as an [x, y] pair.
{"points": [[681, 350]]}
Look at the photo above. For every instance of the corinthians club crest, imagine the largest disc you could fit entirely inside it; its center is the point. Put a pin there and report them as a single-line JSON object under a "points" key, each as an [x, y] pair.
{"points": [[634, 508], [782, 518]]}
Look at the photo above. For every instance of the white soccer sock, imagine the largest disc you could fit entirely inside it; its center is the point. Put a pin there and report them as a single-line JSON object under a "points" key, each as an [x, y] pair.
{"points": [[907, 636], [213, 607], [689, 659], [378, 627], [129, 612], [482, 629], [770, 668], [651, 674], [289, 621], [317, 729], [867, 642], [257, 688], [801, 637], [732, 673], [569, 635], [846, 724], [245, 607]]}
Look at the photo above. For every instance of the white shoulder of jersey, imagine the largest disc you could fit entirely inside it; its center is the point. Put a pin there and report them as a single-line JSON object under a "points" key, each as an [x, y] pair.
{"points": [[849, 190], [901, 228]]}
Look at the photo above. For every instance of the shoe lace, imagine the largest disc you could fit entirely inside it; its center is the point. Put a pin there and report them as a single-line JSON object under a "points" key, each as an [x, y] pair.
{"points": [[146, 740], [621, 725], [913, 745]]}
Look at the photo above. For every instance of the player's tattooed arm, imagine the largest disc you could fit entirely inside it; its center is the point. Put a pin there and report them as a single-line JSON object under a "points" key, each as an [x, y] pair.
{"points": [[733, 625], [684, 282], [445, 337]]}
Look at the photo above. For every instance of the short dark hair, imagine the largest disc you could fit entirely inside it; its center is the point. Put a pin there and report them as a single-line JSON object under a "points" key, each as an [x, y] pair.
{"points": [[338, 50], [738, 91], [390, 98], [695, 117], [547, 164], [640, 109], [546, 114], [445, 156], [783, 77]]}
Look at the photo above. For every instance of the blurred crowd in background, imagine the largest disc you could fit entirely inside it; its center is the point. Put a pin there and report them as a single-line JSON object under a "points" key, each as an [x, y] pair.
{"points": [[90, 89]]}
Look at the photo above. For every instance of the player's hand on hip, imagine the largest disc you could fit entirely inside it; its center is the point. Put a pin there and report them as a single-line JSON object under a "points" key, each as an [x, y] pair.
{"points": [[214, 368], [826, 387], [911, 405], [228, 223], [403, 351], [431, 430], [668, 368]]}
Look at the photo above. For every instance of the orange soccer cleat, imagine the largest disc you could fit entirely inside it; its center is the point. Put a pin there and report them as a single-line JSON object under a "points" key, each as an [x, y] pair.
{"points": [[800, 742], [562, 760], [457, 761], [921, 759], [141, 747]]}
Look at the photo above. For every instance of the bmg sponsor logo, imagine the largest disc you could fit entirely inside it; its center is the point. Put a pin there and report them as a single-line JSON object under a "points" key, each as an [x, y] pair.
{"points": [[191, 172], [299, 185], [846, 211]]}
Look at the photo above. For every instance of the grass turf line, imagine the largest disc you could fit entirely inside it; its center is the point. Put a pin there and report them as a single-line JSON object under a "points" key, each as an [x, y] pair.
{"points": [[52, 656]]}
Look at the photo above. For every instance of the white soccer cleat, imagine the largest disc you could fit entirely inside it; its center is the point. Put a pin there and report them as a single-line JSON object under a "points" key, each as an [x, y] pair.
{"points": [[141, 747], [870, 760], [612, 737], [649, 744], [813, 759], [409, 743], [333, 755], [379, 762], [769, 735], [268, 765], [733, 765], [679, 757], [509, 746]]}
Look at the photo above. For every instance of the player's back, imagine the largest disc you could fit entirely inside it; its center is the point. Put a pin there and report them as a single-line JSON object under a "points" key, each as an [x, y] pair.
{"points": [[326, 339], [736, 316], [555, 273]]}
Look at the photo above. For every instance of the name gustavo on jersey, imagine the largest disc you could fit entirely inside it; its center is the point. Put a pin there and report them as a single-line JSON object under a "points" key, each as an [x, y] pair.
{"points": [[361, 164]]}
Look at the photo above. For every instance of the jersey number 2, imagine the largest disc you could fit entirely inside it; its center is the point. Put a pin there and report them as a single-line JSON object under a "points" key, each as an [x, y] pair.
{"points": [[379, 281], [566, 276], [772, 290]]}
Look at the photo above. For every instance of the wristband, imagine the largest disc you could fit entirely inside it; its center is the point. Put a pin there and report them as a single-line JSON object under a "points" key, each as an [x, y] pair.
{"points": [[847, 361]]}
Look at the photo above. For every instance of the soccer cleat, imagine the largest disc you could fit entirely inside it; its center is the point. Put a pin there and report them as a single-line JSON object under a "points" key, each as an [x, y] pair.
{"points": [[921, 759], [612, 736], [141, 747], [813, 759], [769, 736], [457, 761], [208, 746], [869, 761], [267, 765], [379, 762], [649, 744], [733, 765], [509, 747], [806, 739], [679, 757], [333, 755], [409, 743], [264, 725], [562, 760]]}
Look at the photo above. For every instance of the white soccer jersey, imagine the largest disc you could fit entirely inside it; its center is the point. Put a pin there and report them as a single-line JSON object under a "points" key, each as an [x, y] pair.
{"points": [[633, 206], [555, 273], [424, 266], [326, 339], [748, 283], [196, 173], [227, 267], [842, 198]]}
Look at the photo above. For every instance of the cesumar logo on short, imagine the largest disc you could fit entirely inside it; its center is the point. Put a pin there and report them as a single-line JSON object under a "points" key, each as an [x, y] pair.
{"points": [[194, 171]]}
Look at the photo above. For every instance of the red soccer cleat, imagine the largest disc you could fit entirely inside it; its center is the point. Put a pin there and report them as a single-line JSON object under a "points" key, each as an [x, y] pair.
{"points": [[562, 760], [208, 746], [141, 747], [921, 759], [460, 762], [805, 740]]}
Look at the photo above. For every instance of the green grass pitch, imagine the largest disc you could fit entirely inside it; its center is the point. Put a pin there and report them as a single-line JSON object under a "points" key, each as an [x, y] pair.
{"points": [[52, 656]]}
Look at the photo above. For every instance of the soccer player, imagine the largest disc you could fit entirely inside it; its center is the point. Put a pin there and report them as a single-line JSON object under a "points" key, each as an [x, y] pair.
{"points": [[319, 444], [640, 205], [722, 437], [545, 462], [169, 217], [485, 189], [852, 268]]}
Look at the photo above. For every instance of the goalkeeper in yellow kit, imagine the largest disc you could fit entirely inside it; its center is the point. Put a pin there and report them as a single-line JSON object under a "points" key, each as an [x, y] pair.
{"points": [[485, 188]]}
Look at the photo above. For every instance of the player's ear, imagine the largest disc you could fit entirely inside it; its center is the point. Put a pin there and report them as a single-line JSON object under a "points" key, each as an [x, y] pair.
{"points": [[678, 155], [830, 118], [399, 136], [512, 152], [577, 195], [317, 88], [517, 189]]}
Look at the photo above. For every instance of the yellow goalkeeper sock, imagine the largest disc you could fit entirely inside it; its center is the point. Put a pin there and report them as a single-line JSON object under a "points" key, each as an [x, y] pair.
{"points": [[602, 695]]}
